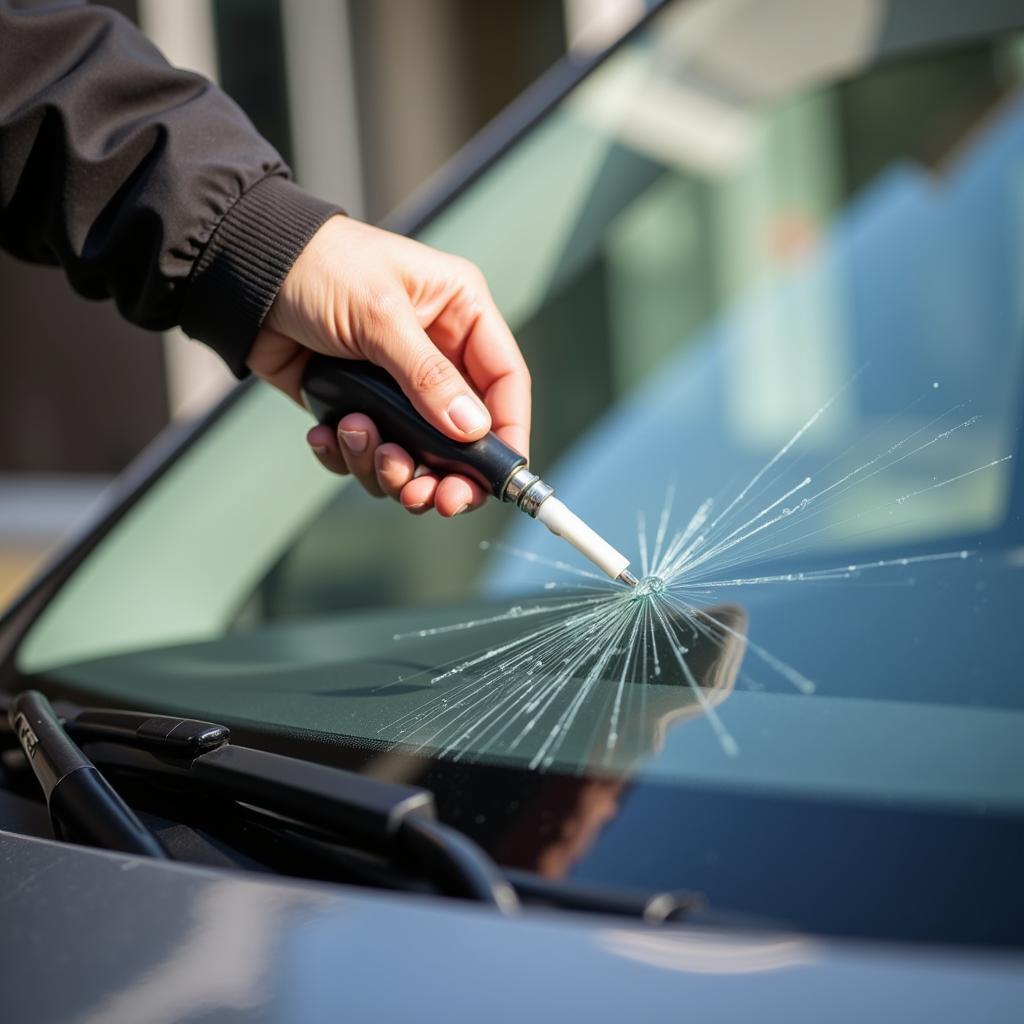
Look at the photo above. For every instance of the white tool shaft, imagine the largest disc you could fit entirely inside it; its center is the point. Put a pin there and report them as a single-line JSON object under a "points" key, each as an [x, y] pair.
{"points": [[567, 525]]}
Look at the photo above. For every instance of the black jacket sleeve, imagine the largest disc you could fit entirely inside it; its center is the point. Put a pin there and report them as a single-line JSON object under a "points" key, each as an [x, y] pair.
{"points": [[145, 183]]}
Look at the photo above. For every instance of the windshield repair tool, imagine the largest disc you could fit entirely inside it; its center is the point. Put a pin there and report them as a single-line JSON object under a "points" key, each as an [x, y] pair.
{"points": [[333, 388]]}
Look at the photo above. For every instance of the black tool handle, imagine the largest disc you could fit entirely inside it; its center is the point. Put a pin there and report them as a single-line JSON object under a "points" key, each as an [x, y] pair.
{"points": [[335, 387]]}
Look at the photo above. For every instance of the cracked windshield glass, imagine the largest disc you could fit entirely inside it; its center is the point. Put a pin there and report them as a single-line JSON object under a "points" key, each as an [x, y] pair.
{"points": [[771, 300]]}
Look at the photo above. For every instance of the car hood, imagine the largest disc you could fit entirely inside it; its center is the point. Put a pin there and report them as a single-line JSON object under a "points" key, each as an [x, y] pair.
{"points": [[131, 939]]}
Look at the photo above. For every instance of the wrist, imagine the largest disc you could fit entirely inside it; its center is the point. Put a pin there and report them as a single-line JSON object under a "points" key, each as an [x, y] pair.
{"points": [[250, 254]]}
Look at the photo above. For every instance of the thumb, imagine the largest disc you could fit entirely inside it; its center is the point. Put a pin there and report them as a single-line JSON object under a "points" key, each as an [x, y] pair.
{"points": [[428, 378]]}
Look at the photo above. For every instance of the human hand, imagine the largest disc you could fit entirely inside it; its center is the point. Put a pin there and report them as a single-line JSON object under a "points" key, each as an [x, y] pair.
{"points": [[426, 317]]}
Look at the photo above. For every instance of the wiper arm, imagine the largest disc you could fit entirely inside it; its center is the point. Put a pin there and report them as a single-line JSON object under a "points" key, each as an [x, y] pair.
{"points": [[379, 817], [82, 804], [165, 734]]}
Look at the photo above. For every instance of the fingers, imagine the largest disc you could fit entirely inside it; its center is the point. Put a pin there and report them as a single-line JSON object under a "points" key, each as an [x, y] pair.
{"points": [[395, 340], [439, 391], [473, 332], [497, 368], [394, 468], [417, 496], [324, 443], [358, 440], [456, 495], [388, 470], [418, 493]]}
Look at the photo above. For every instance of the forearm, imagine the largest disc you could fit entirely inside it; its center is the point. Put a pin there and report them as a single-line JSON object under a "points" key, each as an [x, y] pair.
{"points": [[145, 183]]}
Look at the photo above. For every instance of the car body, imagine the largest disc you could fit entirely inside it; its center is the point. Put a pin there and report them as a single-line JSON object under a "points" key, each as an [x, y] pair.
{"points": [[762, 261]]}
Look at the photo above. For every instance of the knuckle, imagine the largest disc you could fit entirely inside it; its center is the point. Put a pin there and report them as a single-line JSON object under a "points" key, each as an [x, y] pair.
{"points": [[432, 372], [380, 310], [471, 274]]}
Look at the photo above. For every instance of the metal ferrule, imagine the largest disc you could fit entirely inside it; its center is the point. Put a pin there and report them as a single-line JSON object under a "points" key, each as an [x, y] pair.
{"points": [[526, 490]]}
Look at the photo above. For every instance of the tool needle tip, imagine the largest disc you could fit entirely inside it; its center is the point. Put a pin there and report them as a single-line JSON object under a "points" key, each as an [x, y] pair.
{"points": [[628, 578]]}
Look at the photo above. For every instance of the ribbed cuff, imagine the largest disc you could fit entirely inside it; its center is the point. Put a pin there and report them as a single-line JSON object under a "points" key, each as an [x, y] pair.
{"points": [[237, 277]]}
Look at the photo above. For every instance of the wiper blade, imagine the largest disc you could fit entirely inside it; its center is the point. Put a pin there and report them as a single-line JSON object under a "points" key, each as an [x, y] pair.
{"points": [[82, 804]]}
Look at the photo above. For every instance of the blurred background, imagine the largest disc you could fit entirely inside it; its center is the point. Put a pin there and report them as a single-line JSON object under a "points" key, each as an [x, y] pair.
{"points": [[366, 99]]}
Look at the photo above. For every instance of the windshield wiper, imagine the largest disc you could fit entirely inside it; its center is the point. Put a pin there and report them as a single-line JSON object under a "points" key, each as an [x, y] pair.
{"points": [[318, 805], [83, 806], [380, 817]]}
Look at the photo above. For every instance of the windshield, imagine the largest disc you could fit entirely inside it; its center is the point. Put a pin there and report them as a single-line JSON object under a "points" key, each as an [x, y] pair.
{"points": [[765, 264]]}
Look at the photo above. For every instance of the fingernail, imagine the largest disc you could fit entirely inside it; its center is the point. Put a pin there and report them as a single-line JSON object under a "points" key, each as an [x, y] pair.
{"points": [[460, 510], [319, 450], [467, 414], [381, 460], [355, 440], [418, 507]]}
